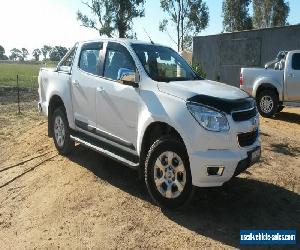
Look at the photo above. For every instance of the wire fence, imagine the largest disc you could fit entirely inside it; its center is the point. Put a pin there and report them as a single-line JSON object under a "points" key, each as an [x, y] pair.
{"points": [[18, 89]]}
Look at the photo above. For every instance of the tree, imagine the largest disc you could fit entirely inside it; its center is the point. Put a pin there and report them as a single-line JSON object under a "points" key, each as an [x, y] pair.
{"points": [[112, 16], [25, 53], [2, 50], [16, 54], [2, 53], [36, 54], [57, 53], [236, 15], [189, 16], [270, 13], [46, 50]]}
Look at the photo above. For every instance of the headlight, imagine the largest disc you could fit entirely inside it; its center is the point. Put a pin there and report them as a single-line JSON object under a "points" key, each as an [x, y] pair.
{"points": [[208, 118]]}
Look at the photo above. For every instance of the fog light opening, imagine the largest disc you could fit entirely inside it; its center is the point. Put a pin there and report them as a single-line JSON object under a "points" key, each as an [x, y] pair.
{"points": [[216, 171]]}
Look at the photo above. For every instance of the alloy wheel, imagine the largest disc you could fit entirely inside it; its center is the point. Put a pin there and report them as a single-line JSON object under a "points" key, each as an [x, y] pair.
{"points": [[59, 131], [169, 175]]}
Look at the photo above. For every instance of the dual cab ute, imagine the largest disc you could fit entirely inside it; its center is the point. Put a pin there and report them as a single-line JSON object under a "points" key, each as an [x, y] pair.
{"points": [[275, 86], [142, 105]]}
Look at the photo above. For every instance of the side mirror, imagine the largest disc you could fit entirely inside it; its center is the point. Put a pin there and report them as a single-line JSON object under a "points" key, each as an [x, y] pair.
{"points": [[66, 69], [128, 77]]}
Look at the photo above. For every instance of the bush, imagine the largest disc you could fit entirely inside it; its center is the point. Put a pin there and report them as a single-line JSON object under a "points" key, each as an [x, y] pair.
{"points": [[199, 70]]}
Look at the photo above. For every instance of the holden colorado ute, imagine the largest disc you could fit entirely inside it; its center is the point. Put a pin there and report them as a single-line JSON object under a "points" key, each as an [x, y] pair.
{"points": [[275, 87], [142, 105]]}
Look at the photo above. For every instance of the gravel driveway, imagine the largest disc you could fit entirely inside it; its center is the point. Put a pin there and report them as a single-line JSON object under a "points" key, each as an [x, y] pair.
{"points": [[89, 201]]}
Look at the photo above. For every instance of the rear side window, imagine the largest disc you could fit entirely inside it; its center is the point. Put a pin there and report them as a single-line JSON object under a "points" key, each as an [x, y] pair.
{"points": [[90, 58], [296, 61]]}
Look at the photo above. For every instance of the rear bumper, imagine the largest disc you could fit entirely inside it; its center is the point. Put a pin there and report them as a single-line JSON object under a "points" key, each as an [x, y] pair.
{"points": [[43, 108]]}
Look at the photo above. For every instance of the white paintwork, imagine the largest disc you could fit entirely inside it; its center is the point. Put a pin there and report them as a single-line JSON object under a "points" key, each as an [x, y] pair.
{"points": [[118, 109], [126, 112], [286, 80]]}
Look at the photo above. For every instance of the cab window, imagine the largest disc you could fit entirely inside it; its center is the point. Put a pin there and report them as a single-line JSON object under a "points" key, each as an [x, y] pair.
{"points": [[117, 60], [66, 64], [69, 60], [296, 61], [89, 60]]}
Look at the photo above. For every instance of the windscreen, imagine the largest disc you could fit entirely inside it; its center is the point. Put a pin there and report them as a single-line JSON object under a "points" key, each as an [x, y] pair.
{"points": [[163, 64]]}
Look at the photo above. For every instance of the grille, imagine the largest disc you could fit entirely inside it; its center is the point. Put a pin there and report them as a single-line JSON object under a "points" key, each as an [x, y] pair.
{"points": [[247, 139], [244, 115]]}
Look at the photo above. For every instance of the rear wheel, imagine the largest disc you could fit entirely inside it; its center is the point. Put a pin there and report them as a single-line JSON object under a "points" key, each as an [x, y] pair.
{"points": [[167, 173], [61, 132], [267, 103]]}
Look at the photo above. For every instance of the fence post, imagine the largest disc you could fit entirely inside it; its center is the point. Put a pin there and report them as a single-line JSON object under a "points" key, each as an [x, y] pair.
{"points": [[18, 93]]}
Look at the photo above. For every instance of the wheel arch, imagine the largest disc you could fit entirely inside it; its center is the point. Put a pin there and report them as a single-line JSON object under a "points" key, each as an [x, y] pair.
{"points": [[153, 131], [267, 86], [264, 84], [55, 102]]}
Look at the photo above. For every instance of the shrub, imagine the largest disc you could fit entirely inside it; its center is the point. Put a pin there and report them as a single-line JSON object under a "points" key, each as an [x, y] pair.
{"points": [[199, 70]]}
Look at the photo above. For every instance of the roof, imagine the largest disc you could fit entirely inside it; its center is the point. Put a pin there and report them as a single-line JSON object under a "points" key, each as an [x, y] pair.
{"points": [[253, 30], [126, 41]]}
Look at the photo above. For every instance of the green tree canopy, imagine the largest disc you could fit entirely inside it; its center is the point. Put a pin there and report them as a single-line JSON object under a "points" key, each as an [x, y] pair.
{"points": [[36, 54], [190, 18], [57, 53], [236, 15], [270, 13], [2, 51], [46, 50], [111, 16], [25, 53], [16, 54]]}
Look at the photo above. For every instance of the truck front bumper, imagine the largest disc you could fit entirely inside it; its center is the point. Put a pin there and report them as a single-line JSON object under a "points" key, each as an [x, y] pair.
{"points": [[215, 167]]}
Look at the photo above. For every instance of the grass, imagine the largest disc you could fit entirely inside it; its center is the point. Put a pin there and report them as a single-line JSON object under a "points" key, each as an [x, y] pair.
{"points": [[28, 74]]}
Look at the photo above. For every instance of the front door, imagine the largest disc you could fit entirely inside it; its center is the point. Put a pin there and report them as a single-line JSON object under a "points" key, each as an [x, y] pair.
{"points": [[292, 79], [117, 104]]}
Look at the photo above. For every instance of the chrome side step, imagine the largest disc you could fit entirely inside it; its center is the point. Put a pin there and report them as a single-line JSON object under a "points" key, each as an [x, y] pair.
{"points": [[131, 161], [292, 104]]}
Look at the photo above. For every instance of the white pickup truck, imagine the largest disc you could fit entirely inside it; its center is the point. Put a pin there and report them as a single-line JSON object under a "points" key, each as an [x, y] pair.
{"points": [[142, 105], [275, 87]]}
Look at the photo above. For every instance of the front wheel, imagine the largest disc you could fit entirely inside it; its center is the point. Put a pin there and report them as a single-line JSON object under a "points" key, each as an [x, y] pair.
{"points": [[167, 173], [61, 132], [267, 103]]}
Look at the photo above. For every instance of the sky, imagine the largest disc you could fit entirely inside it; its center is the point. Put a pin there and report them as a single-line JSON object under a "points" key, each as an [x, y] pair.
{"points": [[33, 23]]}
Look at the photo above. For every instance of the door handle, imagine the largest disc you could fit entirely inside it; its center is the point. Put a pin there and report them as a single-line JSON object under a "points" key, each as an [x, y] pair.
{"points": [[291, 75], [75, 83], [100, 89]]}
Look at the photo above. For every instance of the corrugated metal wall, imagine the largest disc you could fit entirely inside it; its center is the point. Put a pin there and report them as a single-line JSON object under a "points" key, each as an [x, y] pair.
{"points": [[223, 55]]}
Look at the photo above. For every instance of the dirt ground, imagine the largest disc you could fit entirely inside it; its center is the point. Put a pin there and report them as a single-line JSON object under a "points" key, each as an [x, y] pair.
{"points": [[88, 201]]}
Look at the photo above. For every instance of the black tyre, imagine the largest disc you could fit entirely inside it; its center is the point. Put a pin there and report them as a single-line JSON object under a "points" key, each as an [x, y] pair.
{"points": [[61, 132], [280, 108], [167, 173], [267, 103]]}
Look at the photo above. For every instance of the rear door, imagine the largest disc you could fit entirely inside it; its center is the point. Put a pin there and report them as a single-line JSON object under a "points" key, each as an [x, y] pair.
{"points": [[85, 79], [117, 104], [292, 78]]}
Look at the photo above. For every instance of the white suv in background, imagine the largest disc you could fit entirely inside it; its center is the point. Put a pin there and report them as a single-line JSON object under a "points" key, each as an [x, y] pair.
{"points": [[142, 105]]}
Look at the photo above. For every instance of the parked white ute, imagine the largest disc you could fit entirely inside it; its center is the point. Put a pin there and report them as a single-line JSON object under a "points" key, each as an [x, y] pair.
{"points": [[275, 86], [142, 105]]}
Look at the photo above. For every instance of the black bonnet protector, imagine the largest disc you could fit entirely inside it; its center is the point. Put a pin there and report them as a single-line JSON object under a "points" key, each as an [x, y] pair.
{"points": [[222, 104]]}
